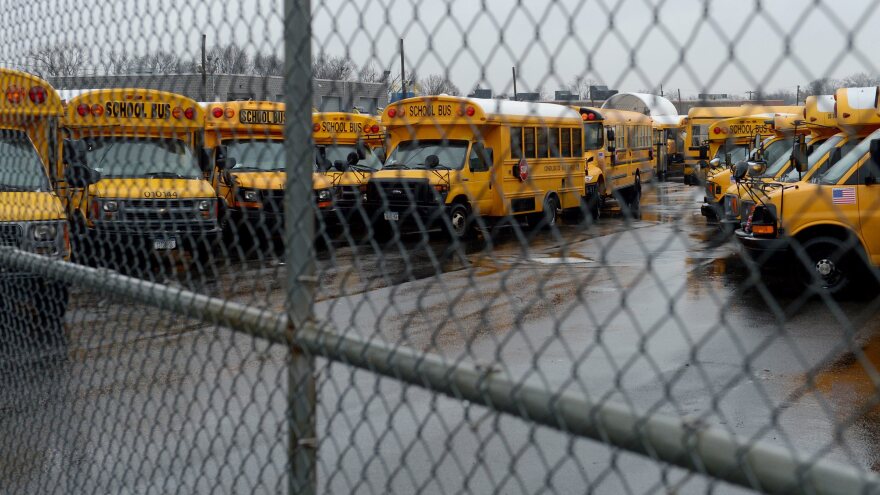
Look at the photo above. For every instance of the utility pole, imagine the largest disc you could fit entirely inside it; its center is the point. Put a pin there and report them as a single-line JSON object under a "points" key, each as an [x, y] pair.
{"points": [[514, 82], [750, 93], [661, 89], [797, 96], [204, 70], [680, 108], [402, 72]]}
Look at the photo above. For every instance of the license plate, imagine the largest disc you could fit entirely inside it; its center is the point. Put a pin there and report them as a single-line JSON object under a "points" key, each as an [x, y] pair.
{"points": [[392, 216], [164, 244]]}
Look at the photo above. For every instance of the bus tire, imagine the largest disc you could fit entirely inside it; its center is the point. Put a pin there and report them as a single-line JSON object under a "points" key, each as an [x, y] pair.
{"points": [[550, 215], [459, 222], [830, 268]]}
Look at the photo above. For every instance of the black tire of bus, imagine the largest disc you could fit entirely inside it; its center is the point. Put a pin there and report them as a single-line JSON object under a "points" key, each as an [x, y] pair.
{"points": [[831, 266], [550, 215], [459, 226]]}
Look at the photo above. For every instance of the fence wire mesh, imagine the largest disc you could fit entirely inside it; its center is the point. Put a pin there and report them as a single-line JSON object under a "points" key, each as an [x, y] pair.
{"points": [[271, 246]]}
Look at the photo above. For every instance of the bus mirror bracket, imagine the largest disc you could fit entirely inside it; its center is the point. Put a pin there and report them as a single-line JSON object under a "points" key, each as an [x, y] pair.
{"points": [[704, 152], [799, 155]]}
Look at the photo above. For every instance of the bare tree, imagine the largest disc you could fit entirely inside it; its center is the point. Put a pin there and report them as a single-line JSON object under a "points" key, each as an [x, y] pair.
{"points": [[268, 64], [229, 59], [821, 86], [335, 68], [117, 63], [435, 84], [412, 83], [368, 73], [580, 86], [63, 59], [859, 80], [158, 62], [788, 97]]}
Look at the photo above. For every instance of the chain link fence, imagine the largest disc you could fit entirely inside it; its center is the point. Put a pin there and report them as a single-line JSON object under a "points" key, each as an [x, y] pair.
{"points": [[271, 246]]}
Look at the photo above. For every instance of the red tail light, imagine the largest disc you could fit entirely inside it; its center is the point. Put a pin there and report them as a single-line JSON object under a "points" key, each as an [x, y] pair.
{"points": [[217, 112], [374, 129], [316, 127], [14, 95], [470, 111], [392, 112], [83, 110], [717, 130], [37, 94], [189, 113]]}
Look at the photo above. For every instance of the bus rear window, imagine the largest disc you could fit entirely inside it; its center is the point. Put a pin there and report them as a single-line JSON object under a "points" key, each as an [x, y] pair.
{"points": [[594, 137]]}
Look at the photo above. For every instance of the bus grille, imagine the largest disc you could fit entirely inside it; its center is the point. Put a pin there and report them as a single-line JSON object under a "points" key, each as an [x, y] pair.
{"points": [[400, 193], [10, 235], [161, 215]]}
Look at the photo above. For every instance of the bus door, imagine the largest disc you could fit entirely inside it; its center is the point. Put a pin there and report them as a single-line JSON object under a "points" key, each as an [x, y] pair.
{"points": [[867, 178], [477, 177]]}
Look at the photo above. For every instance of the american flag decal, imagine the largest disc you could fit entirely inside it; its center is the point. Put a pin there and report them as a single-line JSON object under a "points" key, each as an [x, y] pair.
{"points": [[843, 196]]}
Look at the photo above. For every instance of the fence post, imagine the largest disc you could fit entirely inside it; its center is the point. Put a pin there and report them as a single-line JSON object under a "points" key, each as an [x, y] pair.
{"points": [[298, 233]]}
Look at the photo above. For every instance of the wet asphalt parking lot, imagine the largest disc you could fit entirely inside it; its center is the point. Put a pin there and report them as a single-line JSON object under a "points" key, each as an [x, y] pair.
{"points": [[654, 312]]}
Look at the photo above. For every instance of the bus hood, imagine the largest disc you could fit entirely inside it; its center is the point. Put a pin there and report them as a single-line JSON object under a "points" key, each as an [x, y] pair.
{"points": [[432, 176], [30, 206], [141, 188], [260, 180], [349, 178]]}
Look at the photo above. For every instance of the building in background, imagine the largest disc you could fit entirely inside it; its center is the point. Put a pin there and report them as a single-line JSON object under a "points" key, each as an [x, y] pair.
{"points": [[328, 96]]}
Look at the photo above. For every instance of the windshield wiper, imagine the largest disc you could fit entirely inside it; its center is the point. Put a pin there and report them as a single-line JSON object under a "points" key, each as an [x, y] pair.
{"points": [[165, 175], [363, 168], [253, 169], [6, 188], [395, 166]]}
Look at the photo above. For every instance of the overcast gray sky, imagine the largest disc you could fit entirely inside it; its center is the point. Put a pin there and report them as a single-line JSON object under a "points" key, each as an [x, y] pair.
{"points": [[550, 42]]}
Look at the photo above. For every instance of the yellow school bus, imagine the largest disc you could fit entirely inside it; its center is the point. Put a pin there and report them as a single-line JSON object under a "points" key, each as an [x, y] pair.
{"points": [[700, 119], [349, 147], [823, 147], [827, 227], [619, 155], [245, 145], [456, 160], [137, 184], [31, 215], [669, 133], [773, 139]]}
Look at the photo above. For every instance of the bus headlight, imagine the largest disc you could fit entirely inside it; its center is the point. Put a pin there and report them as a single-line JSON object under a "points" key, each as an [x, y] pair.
{"points": [[250, 196], [204, 205], [45, 232], [110, 206], [324, 195]]}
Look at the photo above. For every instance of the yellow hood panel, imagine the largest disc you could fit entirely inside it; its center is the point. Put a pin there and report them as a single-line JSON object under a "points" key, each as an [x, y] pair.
{"points": [[260, 180], [152, 188], [328, 179], [30, 206]]}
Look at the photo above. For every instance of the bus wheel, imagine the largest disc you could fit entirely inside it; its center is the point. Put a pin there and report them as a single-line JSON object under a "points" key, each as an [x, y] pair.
{"points": [[828, 269], [458, 221], [551, 212]]}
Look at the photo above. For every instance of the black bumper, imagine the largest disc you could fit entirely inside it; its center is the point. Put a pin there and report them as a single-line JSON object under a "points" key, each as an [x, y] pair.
{"points": [[138, 240], [763, 249], [711, 210], [409, 217]]}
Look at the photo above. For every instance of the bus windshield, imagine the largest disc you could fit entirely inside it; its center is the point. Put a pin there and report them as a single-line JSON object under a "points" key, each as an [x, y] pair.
{"points": [[738, 153], [777, 154], [594, 138], [815, 157], [132, 157], [839, 169], [356, 156], [414, 154], [263, 156], [20, 166]]}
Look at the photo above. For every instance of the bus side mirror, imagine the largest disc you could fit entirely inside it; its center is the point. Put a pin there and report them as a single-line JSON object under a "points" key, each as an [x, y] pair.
{"points": [[609, 135], [704, 152], [799, 156], [875, 152], [222, 161], [205, 160], [74, 152], [757, 143]]}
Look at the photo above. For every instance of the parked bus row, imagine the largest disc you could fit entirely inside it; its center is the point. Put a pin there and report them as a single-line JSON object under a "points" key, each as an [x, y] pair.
{"points": [[809, 205]]}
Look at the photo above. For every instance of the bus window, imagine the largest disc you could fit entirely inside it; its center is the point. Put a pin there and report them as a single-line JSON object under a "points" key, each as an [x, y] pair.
{"points": [[576, 141], [699, 133], [542, 142], [516, 142], [594, 136], [554, 142], [529, 142], [566, 142]]}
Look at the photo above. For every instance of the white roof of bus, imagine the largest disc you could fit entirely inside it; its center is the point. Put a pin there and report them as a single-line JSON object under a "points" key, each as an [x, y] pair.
{"points": [[669, 119], [69, 94], [648, 104], [524, 108], [825, 103], [861, 98]]}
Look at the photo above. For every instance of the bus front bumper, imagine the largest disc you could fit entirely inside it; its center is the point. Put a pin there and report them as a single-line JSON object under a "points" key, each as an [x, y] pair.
{"points": [[763, 249]]}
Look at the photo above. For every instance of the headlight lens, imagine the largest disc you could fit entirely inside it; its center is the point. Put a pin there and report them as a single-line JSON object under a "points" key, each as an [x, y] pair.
{"points": [[111, 206], [325, 195], [204, 205], [45, 232], [250, 196]]}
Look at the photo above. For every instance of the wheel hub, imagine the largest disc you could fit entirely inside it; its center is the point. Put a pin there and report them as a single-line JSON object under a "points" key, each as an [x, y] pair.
{"points": [[825, 267], [458, 222]]}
